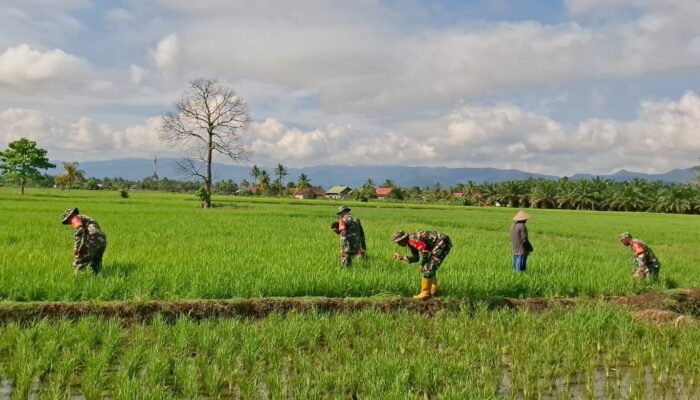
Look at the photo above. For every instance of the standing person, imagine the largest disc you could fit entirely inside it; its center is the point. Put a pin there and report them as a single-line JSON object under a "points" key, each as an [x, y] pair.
{"points": [[519, 240], [90, 242], [430, 248], [352, 236], [645, 263]]}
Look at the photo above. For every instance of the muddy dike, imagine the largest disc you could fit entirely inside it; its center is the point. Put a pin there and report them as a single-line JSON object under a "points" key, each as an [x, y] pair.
{"points": [[657, 307]]}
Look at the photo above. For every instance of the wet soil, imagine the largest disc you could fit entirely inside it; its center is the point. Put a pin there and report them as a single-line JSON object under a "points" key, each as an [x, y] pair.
{"points": [[668, 306]]}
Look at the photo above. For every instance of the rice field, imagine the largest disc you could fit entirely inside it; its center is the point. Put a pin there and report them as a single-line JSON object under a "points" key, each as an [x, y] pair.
{"points": [[589, 352], [161, 246]]}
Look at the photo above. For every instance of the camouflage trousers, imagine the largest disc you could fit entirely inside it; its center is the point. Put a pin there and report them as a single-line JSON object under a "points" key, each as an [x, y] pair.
{"points": [[430, 265], [346, 257], [90, 256], [650, 272]]}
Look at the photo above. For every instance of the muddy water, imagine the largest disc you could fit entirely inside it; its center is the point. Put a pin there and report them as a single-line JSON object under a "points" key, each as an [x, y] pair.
{"points": [[619, 384]]}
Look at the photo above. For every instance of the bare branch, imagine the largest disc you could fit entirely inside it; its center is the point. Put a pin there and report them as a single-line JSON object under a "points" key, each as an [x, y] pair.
{"points": [[209, 118], [190, 168]]}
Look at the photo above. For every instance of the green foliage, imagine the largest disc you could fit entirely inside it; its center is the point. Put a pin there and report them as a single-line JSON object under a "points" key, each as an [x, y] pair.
{"points": [[589, 352], [22, 160], [160, 247], [124, 193]]}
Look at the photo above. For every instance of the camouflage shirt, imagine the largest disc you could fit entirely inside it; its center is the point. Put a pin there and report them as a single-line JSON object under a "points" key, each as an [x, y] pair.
{"points": [[88, 233], [352, 235], [424, 243], [644, 256]]}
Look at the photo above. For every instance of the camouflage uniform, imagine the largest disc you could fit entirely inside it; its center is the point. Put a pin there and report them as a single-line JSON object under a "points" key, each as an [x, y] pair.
{"points": [[352, 239], [645, 261], [89, 245], [431, 248]]}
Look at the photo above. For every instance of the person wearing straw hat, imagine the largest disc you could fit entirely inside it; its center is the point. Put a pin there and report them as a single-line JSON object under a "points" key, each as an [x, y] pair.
{"points": [[646, 265], [89, 243], [352, 236], [431, 248], [519, 239]]}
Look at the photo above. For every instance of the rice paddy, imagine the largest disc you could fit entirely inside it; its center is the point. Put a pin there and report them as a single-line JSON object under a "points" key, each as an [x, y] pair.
{"points": [[163, 248]]}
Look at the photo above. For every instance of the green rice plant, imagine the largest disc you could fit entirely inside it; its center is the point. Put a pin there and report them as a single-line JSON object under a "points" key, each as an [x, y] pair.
{"points": [[161, 246]]}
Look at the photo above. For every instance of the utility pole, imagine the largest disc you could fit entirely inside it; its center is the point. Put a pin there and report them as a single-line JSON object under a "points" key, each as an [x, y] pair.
{"points": [[155, 167]]}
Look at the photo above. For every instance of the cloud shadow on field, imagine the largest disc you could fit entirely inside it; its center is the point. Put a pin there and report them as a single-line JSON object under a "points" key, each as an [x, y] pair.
{"points": [[119, 269]]}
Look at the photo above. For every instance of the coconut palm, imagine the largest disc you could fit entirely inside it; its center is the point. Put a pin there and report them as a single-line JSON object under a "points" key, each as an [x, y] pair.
{"points": [[71, 175], [263, 182], [255, 173], [280, 173], [303, 181]]}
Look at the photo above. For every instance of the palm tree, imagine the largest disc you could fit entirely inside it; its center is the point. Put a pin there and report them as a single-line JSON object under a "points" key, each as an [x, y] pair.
{"points": [[303, 181], [280, 172], [255, 173], [675, 199], [389, 184], [543, 194], [628, 197], [264, 182], [71, 174]]}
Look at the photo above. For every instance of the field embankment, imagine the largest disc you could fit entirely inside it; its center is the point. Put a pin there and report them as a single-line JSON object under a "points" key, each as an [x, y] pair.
{"points": [[656, 306]]}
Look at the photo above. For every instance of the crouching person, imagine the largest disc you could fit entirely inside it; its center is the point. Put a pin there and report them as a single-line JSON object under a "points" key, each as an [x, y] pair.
{"points": [[90, 242], [430, 248]]}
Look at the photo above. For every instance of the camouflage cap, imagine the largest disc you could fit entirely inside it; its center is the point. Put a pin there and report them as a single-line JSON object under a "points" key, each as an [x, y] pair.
{"points": [[625, 235], [69, 213], [399, 236], [341, 209]]}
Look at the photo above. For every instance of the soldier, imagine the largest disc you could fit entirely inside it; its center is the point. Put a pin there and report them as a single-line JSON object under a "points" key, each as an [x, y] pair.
{"points": [[352, 236], [431, 248], [90, 242], [645, 263]]}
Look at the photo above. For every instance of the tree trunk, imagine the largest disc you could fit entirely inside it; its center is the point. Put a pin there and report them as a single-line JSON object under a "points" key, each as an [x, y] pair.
{"points": [[21, 185], [207, 182]]}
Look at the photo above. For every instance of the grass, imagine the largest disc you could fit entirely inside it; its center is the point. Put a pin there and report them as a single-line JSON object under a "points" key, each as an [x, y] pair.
{"points": [[161, 246], [588, 352]]}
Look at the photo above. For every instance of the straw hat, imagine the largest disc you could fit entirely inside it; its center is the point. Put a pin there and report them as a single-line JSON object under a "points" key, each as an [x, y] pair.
{"points": [[521, 216]]}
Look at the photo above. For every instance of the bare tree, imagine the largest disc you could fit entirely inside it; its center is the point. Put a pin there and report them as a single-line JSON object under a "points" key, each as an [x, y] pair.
{"points": [[209, 118]]}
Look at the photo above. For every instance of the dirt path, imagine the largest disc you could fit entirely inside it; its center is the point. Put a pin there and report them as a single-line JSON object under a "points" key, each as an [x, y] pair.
{"points": [[656, 307]]}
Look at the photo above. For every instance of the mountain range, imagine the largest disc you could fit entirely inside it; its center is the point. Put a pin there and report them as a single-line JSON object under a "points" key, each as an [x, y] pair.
{"points": [[353, 176]]}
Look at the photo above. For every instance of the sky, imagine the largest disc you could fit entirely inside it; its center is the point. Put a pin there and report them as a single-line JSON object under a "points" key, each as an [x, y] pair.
{"points": [[545, 86]]}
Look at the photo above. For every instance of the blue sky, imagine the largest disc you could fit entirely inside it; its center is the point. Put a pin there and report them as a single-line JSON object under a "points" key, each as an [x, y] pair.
{"points": [[546, 86]]}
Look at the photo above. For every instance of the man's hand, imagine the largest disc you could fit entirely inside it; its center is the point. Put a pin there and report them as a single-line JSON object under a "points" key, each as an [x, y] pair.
{"points": [[399, 257]]}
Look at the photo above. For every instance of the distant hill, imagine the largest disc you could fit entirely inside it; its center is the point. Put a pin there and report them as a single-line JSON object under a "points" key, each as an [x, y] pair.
{"points": [[674, 175], [353, 176]]}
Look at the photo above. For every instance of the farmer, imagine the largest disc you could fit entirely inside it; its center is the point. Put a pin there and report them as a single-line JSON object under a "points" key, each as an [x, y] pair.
{"points": [[428, 247], [90, 242], [352, 236], [519, 240], [645, 263]]}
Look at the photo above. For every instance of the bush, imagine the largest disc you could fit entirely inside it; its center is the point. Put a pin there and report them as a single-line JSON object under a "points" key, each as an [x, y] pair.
{"points": [[124, 193]]}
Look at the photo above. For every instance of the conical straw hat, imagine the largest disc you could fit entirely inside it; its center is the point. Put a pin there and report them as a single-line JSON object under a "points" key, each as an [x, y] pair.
{"points": [[521, 216]]}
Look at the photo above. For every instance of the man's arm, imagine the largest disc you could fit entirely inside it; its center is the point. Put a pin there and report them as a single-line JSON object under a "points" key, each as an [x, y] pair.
{"points": [[78, 240]]}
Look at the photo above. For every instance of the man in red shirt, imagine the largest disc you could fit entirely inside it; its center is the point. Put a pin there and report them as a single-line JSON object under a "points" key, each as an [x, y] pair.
{"points": [[646, 265]]}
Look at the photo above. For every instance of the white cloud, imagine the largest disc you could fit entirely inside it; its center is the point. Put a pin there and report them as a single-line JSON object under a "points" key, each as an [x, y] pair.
{"points": [[23, 65], [85, 136], [165, 55], [664, 136], [136, 74]]}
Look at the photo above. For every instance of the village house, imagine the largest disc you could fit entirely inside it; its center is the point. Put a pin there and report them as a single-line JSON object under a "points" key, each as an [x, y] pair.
{"points": [[309, 192], [338, 192], [383, 192]]}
